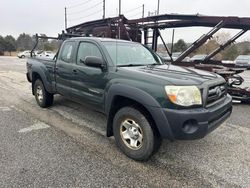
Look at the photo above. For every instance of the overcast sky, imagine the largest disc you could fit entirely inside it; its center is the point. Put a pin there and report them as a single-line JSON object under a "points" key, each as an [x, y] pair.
{"points": [[47, 16]]}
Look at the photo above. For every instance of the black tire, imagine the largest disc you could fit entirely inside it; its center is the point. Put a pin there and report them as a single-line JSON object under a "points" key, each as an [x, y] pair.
{"points": [[43, 98], [22, 56], [151, 140]]}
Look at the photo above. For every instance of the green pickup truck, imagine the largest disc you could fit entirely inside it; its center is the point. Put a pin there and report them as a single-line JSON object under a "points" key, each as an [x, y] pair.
{"points": [[143, 99]]}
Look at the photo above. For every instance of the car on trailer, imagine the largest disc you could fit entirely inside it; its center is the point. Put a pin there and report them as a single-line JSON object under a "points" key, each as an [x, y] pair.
{"points": [[243, 61]]}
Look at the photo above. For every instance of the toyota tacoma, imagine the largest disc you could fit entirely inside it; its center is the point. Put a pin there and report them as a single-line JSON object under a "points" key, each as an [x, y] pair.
{"points": [[143, 99]]}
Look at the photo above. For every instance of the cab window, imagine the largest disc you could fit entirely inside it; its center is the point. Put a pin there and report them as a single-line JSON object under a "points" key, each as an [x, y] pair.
{"points": [[67, 52], [87, 49]]}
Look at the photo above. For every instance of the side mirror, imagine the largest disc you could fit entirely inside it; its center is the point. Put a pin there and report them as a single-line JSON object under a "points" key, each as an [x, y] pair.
{"points": [[93, 61]]}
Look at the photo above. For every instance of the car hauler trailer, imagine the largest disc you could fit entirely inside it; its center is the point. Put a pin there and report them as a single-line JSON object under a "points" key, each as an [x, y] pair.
{"points": [[148, 31]]}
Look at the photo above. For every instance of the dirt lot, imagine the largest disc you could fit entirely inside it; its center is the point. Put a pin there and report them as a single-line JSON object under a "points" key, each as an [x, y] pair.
{"points": [[222, 159]]}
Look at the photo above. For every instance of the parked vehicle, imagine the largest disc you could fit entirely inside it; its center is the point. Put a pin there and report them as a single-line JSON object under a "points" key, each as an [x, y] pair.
{"points": [[144, 100], [198, 57], [175, 55], [24, 54], [243, 61], [227, 62], [38, 52], [164, 56], [46, 54]]}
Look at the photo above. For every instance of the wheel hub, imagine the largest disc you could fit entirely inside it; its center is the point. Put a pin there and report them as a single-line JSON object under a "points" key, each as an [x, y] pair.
{"points": [[39, 93], [131, 134]]}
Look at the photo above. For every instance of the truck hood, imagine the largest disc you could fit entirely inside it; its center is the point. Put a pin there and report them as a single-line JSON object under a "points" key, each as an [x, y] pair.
{"points": [[176, 75]]}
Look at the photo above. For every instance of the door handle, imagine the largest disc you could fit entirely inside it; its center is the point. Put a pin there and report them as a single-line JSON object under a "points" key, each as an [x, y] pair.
{"points": [[74, 71]]}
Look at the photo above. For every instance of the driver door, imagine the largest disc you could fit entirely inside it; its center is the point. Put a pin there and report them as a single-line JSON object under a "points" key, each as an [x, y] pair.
{"points": [[88, 83]]}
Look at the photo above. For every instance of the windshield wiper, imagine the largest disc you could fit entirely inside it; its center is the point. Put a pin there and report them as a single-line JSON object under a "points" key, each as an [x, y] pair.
{"points": [[152, 65], [131, 65]]}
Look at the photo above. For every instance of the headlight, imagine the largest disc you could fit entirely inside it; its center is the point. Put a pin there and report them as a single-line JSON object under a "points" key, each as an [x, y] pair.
{"points": [[184, 95]]}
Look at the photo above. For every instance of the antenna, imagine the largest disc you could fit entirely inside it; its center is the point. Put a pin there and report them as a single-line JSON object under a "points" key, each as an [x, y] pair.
{"points": [[116, 56]]}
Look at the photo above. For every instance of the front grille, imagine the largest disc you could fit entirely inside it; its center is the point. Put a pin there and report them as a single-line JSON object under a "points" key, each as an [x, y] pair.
{"points": [[215, 93]]}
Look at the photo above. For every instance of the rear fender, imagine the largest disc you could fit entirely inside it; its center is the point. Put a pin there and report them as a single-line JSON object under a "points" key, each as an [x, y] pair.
{"points": [[39, 74]]}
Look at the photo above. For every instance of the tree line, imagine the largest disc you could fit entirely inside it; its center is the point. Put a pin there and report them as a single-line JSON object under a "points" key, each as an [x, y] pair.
{"points": [[25, 42]]}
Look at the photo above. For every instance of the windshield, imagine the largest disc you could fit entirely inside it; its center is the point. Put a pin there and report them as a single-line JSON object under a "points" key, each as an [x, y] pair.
{"points": [[130, 54]]}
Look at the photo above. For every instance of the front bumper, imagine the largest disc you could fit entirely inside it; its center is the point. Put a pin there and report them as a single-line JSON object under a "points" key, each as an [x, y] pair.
{"points": [[192, 124]]}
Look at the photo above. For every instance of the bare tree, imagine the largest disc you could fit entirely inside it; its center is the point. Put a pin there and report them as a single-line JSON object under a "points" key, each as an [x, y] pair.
{"points": [[222, 37]]}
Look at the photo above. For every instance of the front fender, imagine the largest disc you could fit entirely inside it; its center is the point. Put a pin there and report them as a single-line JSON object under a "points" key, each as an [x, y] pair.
{"points": [[143, 98], [130, 92]]}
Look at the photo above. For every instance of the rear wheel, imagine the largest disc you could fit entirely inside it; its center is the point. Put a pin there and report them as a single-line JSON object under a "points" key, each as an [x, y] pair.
{"points": [[134, 134], [43, 98]]}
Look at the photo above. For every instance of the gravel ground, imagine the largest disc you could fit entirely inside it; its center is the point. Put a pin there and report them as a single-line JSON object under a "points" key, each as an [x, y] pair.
{"points": [[50, 158]]}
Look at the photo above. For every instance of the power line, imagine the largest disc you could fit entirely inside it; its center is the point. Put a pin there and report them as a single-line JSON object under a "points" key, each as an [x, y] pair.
{"points": [[111, 15], [127, 14], [94, 13], [132, 10], [139, 13], [86, 9], [76, 5]]}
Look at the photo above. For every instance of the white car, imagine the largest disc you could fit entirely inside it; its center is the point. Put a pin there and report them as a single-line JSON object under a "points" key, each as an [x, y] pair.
{"points": [[24, 54], [198, 57], [243, 61], [175, 55], [46, 54]]}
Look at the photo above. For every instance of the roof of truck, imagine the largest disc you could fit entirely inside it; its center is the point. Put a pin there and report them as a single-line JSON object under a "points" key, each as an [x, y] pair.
{"points": [[99, 39]]}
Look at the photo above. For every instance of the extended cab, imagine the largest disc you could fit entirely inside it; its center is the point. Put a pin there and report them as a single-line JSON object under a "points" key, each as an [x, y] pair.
{"points": [[144, 100]]}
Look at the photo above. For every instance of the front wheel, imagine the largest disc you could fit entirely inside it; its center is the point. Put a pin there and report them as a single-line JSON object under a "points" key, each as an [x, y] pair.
{"points": [[43, 98], [134, 134]]}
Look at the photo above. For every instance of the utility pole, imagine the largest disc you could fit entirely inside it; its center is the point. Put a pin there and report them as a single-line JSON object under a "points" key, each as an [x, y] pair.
{"points": [[120, 8], [143, 8], [103, 9], [65, 18], [158, 8], [172, 46]]}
